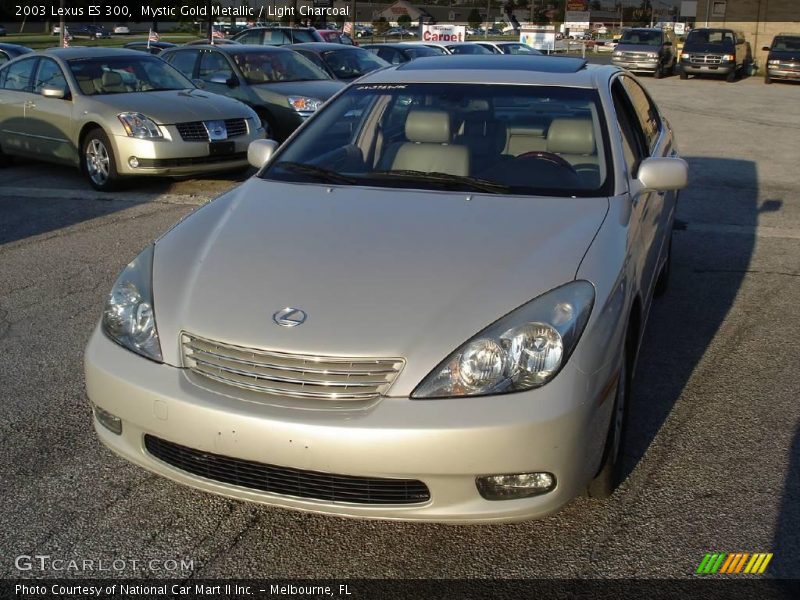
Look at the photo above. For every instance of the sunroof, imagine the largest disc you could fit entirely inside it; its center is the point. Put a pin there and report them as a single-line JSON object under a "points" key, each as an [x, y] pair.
{"points": [[542, 64]]}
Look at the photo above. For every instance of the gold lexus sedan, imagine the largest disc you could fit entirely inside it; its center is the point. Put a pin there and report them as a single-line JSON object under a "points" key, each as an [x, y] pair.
{"points": [[115, 113]]}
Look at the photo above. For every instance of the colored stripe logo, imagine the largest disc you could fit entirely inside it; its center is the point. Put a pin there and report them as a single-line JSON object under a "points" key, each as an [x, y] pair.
{"points": [[734, 562]]}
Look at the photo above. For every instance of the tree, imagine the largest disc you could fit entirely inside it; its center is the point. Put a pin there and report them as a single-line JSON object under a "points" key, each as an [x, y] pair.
{"points": [[380, 26], [404, 20], [474, 18]]}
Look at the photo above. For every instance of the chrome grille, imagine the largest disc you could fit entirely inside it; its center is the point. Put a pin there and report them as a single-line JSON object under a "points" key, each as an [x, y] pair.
{"points": [[288, 481], [290, 375], [195, 131], [634, 55], [708, 59]]}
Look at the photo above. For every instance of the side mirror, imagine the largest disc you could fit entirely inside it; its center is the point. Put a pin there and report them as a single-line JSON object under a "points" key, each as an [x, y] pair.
{"points": [[765, 48], [221, 79], [51, 91], [260, 151], [663, 174]]}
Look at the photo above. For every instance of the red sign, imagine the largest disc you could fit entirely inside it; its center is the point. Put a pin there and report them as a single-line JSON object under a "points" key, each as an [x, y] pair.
{"points": [[577, 5]]}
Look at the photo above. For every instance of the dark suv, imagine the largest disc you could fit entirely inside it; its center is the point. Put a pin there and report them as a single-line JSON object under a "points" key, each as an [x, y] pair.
{"points": [[783, 61], [277, 36], [714, 52], [643, 50]]}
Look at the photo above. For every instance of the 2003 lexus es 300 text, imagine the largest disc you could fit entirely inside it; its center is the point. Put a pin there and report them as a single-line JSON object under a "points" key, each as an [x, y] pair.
{"points": [[427, 305]]}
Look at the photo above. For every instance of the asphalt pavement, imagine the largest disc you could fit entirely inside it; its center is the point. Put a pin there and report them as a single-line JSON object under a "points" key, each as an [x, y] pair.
{"points": [[714, 460]]}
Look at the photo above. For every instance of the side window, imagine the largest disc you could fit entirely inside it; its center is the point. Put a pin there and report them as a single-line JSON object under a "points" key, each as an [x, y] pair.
{"points": [[646, 112], [19, 76], [251, 37], [3, 58], [184, 61], [49, 74], [390, 55], [213, 64], [276, 37], [313, 57], [633, 140]]}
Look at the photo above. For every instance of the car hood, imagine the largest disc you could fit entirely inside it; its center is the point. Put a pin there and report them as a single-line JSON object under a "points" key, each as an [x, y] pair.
{"points": [[785, 55], [622, 47], [380, 272], [173, 106], [321, 89], [708, 49]]}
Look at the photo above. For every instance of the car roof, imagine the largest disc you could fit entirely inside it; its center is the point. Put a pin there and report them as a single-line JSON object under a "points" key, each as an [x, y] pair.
{"points": [[505, 69], [88, 52], [398, 45], [237, 48], [15, 47], [322, 46]]}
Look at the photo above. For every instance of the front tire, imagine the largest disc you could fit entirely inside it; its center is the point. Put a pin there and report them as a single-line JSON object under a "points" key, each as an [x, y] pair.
{"points": [[731, 77], [684, 75], [767, 79], [98, 162], [658, 73], [611, 472]]}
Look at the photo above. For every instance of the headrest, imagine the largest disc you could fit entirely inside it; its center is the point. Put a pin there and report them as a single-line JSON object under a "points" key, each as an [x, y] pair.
{"points": [[111, 79], [428, 126], [571, 136]]}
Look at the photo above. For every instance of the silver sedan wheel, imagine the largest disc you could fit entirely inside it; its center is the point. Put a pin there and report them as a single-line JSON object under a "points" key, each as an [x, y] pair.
{"points": [[97, 161]]}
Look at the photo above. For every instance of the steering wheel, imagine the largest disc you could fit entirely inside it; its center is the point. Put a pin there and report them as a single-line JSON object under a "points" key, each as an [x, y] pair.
{"points": [[550, 157]]}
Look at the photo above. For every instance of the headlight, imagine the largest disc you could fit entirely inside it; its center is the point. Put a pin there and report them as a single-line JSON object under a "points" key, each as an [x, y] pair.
{"points": [[304, 104], [128, 318], [616, 54], [138, 126], [774, 62], [728, 57], [652, 55], [523, 350], [686, 56]]}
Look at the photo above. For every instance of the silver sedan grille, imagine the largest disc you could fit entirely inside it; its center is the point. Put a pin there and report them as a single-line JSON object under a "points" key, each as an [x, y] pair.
{"points": [[290, 375]]}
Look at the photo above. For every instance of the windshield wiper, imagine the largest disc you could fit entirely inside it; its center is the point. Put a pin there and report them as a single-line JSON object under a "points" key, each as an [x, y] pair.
{"points": [[474, 183], [318, 172]]}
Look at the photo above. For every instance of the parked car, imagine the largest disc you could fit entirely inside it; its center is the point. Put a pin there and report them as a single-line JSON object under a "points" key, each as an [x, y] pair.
{"points": [[467, 48], [344, 333], [334, 36], [363, 31], [438, 47], [121, 29], [400, 52], [283, 87], [509, 48], [56, 30], [93, 32], [217, 42], [714, 52], [400, 32], [11, 51], [3, 31], [278, 36], [643, 50], [152, 47], [783, 59], [344, 63], [115, 113]]}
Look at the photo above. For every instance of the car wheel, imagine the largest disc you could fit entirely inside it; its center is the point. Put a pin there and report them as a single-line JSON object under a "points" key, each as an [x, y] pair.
{"points": [[662, 283], [658, 73], [767, 79], [731, 77], [610, 474], [98, 162], [684, 75]]}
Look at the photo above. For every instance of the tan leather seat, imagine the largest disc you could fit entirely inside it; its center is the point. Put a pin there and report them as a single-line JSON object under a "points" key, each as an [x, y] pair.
{"points": [[428, 148], [523, 139], [573, 140], [110, 83]]}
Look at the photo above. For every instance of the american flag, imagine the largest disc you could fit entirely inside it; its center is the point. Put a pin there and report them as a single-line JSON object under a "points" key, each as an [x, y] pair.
{"points": [[153, 37], [217, 34], [67, 38], [348, 27]]}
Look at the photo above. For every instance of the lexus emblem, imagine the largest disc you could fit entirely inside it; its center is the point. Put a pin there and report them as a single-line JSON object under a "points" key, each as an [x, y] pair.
{"points": [[289, 317]]}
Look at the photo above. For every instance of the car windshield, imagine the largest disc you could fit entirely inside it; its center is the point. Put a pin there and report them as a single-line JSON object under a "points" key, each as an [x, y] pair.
{"points": [[526, 140], [641, 37], [420, 51], [349, 64], [469, 49], [124, 74], [714, 37], [786, 44], [302, 36], [271, 66]]}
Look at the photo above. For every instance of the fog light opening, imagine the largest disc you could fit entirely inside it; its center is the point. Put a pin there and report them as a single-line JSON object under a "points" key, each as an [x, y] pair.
{"points": [[511, 487], [133, 162], [107, 420]]}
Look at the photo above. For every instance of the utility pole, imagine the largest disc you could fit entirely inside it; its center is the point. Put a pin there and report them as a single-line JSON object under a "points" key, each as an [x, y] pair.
{"points": [[61, 26], [486, 29]]}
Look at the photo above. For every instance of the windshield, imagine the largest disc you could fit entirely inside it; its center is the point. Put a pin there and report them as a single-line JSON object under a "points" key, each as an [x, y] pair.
{"points": [[270, 66], [714, 37], [302, 36], [786, 44], [124, 74], [349, 64], [469, 49], [528, 140], [420, 51], [641, 37]]}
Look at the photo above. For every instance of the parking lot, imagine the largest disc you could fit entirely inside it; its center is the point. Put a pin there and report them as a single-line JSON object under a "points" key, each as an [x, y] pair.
{"points": [[715, 454]]}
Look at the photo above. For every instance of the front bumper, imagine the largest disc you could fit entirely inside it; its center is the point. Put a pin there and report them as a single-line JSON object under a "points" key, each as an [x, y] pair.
{"points": [[446, 444], [783, 73], [706, 69], [174, 156], [643, 66]]}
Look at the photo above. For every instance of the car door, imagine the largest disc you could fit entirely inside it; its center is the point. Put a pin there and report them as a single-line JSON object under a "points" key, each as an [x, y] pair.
{"points": [[217, 75], [185, 61], [648, 209], [49, 121], [16, 93]]}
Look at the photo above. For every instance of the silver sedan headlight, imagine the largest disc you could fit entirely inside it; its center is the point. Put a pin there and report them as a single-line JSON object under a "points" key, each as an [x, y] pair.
{"points": [[139, 126], [523, 350], [129, 318]]}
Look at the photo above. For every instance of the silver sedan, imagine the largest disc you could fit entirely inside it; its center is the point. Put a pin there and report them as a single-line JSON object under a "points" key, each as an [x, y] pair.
{"points": [[427, 305], [117, 113]]}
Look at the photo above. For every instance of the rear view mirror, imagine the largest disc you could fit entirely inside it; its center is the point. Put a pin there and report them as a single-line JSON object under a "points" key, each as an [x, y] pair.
{"points": [[222, 79], [260, 151], [663, 174], [50, 91], [765, 48]]}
